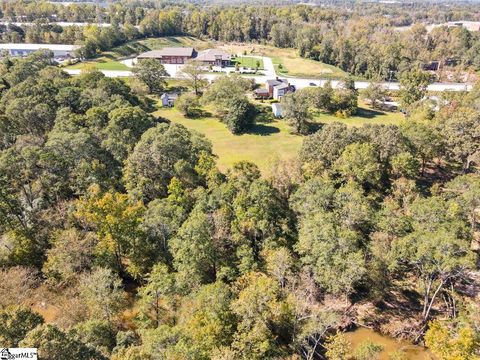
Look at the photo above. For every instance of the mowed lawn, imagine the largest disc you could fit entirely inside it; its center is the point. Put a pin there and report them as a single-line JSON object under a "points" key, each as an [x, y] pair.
{"points": [[291, 63], [175, 41], [364, 116], [263, 145], [247, 61], [266, 142]]}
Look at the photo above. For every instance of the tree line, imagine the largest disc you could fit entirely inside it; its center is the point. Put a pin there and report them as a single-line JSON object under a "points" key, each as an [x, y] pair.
{"points": [[362, 41]]}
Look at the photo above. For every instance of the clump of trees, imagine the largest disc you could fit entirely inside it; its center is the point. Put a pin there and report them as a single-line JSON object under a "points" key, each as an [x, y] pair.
{"points": [[99, 197], [227, 96], [342, 102], [188, 104]]}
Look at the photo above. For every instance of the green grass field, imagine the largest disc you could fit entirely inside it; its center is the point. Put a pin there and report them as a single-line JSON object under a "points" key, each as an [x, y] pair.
{"points": [[139, 46], [266, 142], [247, 61], [364, 116], [291, 63], [102, 63]]}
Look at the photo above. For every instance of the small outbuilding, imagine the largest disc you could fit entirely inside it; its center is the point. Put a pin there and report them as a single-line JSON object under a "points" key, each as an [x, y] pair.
{"points": [[168, 100], [261, 93], [277, 110]]}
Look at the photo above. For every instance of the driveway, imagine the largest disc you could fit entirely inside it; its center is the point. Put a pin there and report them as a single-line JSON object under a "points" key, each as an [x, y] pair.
{"points": [[173, 70]]}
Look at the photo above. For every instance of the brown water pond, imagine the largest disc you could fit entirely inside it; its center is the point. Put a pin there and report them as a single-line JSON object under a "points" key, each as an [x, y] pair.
{"points": [[390, 345]]}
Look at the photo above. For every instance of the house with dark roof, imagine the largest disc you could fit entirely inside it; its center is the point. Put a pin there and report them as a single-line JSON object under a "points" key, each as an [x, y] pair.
{"points": [[170, 55]]}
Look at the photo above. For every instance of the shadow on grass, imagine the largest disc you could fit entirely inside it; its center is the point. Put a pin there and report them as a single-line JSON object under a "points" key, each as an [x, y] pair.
{"points": [[176, 89], [263, 130], [313, 127], [199, 114]]}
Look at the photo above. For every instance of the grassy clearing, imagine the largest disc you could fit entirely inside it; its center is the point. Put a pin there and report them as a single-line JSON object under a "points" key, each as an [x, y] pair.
{"points": [[101, 63], [138, 46], [249, 62], [263, 145], [266, 142], [364, 116], [288, 62]]}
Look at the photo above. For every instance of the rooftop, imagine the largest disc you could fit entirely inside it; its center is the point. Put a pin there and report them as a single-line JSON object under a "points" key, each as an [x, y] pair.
{"points": [[169, 51], [212, 55], [19, 46], [281, 86], [168, 96], [277, 81], [261, 91]]}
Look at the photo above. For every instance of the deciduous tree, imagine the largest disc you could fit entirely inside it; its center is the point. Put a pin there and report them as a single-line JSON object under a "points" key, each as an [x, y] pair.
{"points": [[152, 73]]}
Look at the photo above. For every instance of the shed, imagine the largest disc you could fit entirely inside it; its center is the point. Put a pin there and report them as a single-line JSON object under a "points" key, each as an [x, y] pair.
{"points": [[277, 110], [168, 100], [261, 93]]}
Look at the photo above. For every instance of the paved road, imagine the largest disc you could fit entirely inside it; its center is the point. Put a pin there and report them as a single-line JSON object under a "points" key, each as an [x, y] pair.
{"points": [[301, 83]]}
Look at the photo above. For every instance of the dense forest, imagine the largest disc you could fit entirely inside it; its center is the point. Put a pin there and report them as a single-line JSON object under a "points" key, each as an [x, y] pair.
{"points": [[151, 252], [363, 39]]}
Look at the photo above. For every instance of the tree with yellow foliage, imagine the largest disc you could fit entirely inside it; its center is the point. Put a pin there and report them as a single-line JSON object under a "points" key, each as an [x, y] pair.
{"points": [[116, 220], [448, 343]]}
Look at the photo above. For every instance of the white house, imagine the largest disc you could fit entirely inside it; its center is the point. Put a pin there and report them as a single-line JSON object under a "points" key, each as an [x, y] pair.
{"points": [[277, 88], [277, 110], [168, 100], [59, 50], [280, 90]]}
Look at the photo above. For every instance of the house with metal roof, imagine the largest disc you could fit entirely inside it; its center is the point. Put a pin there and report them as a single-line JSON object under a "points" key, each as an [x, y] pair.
{"points": [[170, 55], [214, 57]]}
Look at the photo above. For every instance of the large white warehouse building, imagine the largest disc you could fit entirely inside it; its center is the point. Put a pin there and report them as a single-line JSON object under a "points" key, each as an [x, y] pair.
{"points": [[59, 50]]}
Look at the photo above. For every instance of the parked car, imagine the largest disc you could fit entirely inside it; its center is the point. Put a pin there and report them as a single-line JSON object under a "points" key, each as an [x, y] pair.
{"points": [[312, 84]]}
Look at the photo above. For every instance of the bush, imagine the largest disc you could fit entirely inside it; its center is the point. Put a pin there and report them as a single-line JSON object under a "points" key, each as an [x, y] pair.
{"points": [[188, 105], [240, 115]]}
